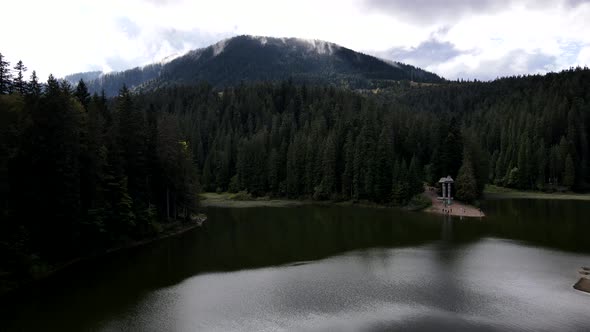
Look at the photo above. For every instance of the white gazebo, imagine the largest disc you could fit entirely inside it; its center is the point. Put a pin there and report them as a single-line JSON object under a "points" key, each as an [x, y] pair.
{"points": [[446, 183]]}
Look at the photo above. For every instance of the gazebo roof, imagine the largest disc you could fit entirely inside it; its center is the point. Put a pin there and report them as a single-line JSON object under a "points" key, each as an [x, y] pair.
{"points": [[447, 179]]}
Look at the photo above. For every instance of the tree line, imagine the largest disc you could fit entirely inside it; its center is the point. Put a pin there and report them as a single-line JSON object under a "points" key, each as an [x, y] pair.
{"points": [[532, 129], [327, 143], [80, 173], [294, 141]]}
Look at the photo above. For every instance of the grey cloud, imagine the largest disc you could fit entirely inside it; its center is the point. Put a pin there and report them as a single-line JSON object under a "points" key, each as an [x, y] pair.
{"points": [[160, 44], [118, 63], [429, 52], [426, 11], [576, 3], [432, 54], [540, 62], [570, 4], [516, 62], [163, 2], [176, 38], [435, 11], [129, 27], [571, 51], [195, 38]]}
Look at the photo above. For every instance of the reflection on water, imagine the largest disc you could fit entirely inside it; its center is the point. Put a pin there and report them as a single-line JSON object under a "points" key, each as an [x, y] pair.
{"points": [[559, 224], [333, 268]]}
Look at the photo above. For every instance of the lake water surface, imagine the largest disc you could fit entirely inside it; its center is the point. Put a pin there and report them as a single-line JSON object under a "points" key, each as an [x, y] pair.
{"points": [[322, 268]]}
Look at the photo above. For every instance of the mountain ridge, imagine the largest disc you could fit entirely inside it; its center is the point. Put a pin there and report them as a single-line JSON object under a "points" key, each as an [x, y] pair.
{"points": [[247, 58]]}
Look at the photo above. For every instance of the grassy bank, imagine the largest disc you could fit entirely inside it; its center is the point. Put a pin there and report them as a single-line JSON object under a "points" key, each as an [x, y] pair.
{"points": [[495, 192], [244, 200]]}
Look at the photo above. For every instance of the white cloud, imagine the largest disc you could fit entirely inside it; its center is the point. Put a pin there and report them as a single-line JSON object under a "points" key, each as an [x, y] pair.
{"points": [[584, 57], [65, 36], [520, 39]]}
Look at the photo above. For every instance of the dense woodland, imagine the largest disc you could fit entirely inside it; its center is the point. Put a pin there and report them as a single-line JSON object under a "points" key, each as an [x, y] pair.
{"points": [[80, 172], [327, 143]]}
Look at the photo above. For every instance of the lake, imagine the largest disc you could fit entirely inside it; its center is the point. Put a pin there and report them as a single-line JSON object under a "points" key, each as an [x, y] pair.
{"points": [[332, 268]]}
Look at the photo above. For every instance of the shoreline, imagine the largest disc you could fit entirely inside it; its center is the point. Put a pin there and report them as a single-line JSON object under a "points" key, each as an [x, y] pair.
{"points": [[173, 230], [583, 285], [537, 195], [457, 209], [224, 200], [495, 192]]}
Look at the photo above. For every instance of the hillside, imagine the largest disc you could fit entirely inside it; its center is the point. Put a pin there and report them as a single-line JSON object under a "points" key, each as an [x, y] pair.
{"points": [[254, 59]]}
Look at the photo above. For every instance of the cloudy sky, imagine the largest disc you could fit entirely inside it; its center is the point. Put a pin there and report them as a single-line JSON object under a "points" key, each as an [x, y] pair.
{"points": [[480, 39]]}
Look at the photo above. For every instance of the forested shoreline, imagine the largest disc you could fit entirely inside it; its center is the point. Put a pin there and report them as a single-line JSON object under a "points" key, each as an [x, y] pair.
{"points": [[81, 172], [298, 141]]}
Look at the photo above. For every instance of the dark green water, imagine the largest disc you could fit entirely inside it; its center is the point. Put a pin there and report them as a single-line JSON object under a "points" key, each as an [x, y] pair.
{"points": [[332, 269]]}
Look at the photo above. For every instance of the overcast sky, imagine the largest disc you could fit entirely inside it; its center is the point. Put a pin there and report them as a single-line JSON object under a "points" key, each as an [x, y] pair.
{"points": [[454, 38]]}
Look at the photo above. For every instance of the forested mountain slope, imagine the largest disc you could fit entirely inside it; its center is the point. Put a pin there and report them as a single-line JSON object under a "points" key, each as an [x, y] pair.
{"points": [[263, 59]]}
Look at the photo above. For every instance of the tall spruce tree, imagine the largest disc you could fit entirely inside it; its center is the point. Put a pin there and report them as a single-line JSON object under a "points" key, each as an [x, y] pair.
{"points": [[5, 76], [19, 84], [415, 183], [33, 87], [82, 94], [466, 184]]}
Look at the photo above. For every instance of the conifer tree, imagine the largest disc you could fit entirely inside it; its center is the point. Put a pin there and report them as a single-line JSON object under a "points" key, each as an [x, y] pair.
{"points": [[292, 179], [541, 157], [451, 150], [52, 86], [34, 88], [118, 206], [131, 139], [466, 184], [273, 171], [328, 182], [5, 76], [82, 94], [415, 184], [569, 175], [523, 175], [401, 191], [384, 165], [397, 195], [347, 174], [19, 84]]}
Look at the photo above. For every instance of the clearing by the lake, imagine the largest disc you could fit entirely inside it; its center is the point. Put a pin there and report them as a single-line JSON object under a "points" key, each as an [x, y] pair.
{"points": [[228, 200], [456, 209], [495, 192], [245, 200]]}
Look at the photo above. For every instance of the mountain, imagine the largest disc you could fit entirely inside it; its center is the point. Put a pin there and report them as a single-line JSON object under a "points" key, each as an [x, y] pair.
{"points": [[248, 58], [86, 76]]}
